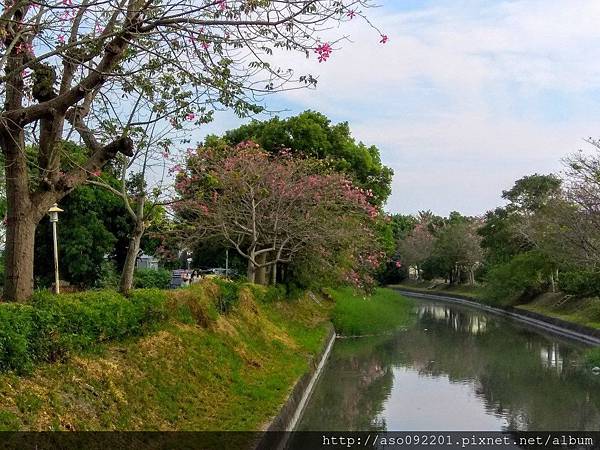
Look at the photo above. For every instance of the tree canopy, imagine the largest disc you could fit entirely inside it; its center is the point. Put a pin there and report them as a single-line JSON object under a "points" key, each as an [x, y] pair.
{"points": [[313, 134]]}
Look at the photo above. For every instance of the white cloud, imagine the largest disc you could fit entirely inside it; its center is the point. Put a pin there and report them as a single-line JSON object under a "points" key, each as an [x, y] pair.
{"points": [[466, 96]]}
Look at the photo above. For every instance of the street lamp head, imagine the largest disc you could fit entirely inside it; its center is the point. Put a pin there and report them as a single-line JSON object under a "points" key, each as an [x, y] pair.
{"points": [[53, 212]]}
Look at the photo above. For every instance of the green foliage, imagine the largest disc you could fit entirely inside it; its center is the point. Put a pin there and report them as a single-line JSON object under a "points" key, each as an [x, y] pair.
{"points": [[54, 326], [532, 192], [271, 294], [592, 357], [150, 278], [241, 372], [357, 315], [521, 278], [312, 134], [580, 282], [95, 224], [229, 293], [108, 278]]}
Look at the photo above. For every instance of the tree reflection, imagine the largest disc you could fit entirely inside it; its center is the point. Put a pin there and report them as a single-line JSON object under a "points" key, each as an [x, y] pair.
{"points": [[529, 380]]}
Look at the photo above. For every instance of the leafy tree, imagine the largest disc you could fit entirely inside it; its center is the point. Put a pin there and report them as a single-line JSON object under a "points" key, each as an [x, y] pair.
{"points": [[93, 228], [417, 247], [522, 278], [101, 71], [510, 230], [532, 192], [311, 133], [271, 208], [457, 249]]}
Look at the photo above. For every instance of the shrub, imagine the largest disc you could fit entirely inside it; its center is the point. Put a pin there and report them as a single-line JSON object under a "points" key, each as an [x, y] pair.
{"points": [[149, 278], [228, 295], [522, 278], [15, 330], [53, 326], [592, 357], [108, 277], [194, 305], [583, 283], [272, 293]]}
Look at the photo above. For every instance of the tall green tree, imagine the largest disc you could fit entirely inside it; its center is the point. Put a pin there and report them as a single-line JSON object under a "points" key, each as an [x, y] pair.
{"points": [[92, 229], [313, 134]]}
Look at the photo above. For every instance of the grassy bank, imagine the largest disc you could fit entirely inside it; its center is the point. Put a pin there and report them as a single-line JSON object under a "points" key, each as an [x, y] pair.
{"points": [[582, 311], [428, 286], [223, 358], [357, 315]]}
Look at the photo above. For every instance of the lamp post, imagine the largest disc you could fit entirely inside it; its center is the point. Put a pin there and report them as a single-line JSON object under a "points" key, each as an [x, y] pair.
{"points": [[53, 212]]}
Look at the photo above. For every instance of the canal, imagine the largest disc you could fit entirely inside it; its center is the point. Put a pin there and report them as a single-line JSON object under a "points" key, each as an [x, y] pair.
{"points": [[455, 368]]}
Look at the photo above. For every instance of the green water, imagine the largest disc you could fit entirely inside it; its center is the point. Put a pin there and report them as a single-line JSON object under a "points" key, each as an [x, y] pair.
{"points": [[455, 368]]}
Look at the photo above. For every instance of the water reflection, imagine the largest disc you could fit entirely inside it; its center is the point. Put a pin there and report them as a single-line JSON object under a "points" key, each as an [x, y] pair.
{"points": [[470, 323], [455, 369]]}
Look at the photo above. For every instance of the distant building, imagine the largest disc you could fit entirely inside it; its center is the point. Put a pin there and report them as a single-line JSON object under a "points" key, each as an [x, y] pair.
{"points": [[147, 262]]}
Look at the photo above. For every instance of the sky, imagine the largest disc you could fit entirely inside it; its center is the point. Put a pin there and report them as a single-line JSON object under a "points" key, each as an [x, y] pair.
{"points": [[464, 98]]}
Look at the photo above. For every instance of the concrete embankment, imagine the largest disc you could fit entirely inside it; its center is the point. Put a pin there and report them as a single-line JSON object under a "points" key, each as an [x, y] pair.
{"points": [[292, 409], [561, 327]]}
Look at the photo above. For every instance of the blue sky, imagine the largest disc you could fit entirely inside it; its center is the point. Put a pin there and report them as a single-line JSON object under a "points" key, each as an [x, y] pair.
{"points": [[466, 97]]}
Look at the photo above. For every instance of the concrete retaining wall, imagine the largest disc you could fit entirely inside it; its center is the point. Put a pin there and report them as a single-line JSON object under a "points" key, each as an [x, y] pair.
{"points": [[292, 409], [570, 330]]}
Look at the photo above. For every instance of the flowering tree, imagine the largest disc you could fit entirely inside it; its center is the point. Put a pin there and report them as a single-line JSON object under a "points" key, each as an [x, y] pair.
{"points": [[417, 247], [269, 208], [100, 71]]}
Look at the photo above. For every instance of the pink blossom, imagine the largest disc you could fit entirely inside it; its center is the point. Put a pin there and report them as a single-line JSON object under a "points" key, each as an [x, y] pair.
{"points": [[384, 39], [351, 14], [222, 5], [61, 38], [398, 264], [324, 51], [190, 116], [97, 173], [175, 168], [205, 45]]}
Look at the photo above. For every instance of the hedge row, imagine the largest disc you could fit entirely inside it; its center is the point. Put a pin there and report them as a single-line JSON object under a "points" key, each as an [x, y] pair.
{"points": [[52, 326]]}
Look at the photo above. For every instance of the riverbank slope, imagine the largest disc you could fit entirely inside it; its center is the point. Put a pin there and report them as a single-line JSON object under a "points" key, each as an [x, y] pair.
{"points": [[231, 372], [215, 356], [576, 310]]}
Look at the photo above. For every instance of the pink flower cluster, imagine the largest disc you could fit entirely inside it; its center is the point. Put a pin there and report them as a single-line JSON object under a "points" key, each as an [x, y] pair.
{"points": [[324, 51]]}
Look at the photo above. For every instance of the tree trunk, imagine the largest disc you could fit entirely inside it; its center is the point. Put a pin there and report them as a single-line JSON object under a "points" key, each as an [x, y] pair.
{"points": [[261, 271], [251, 272], [131, 258], [20, 238], [21, 220], [274, 274]]}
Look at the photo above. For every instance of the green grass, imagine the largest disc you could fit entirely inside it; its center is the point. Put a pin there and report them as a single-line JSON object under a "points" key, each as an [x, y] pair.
{"points": [[219, 372], [473, 291], [582, 311], [357, 315]]}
